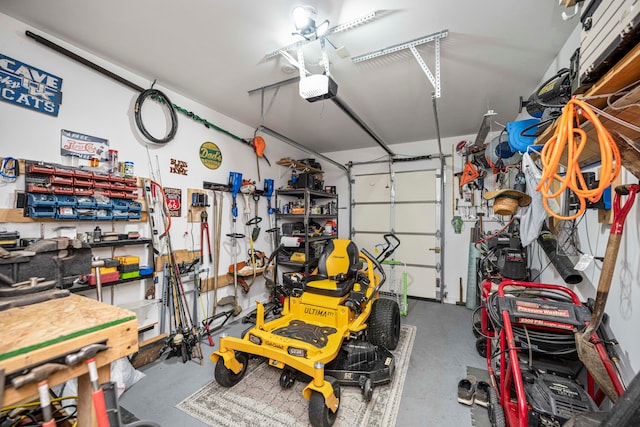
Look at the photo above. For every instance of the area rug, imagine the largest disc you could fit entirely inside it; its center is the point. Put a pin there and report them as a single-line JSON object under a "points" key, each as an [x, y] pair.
{"points": [[258, 400]]}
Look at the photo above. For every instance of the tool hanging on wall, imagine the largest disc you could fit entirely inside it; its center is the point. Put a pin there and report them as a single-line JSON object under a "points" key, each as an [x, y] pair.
{"points": [[217, 232], [157, 213], [204, 232], [248, 190], [235, 184], [258, 146], [268, 192]]}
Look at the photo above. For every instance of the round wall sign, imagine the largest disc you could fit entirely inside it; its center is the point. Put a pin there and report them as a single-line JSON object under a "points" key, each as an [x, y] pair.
{"points": [[210, 155]]}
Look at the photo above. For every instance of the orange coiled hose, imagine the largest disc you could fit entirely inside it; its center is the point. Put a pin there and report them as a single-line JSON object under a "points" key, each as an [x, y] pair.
{"points": [[571, 138]]}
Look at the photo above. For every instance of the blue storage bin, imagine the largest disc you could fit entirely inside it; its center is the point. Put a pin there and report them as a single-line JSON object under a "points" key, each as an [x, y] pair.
{"points": [[134, 215], [134, 206], [103, 202], [104, 214], [64, 200], [42, 212], [119, 214], [86, 202], [66, 212], [38, 200], [120, 204], [86, 214]]}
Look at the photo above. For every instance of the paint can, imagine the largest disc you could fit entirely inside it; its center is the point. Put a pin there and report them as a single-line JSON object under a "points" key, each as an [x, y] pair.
{"points": [[128, 169]]}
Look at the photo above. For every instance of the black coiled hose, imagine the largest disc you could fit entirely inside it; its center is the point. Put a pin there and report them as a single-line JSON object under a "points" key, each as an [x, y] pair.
{"points": [[163, 99], [556, 344]]}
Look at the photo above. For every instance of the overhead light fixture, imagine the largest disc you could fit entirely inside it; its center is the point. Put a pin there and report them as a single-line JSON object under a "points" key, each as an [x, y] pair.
{"points": [[304, 20]]}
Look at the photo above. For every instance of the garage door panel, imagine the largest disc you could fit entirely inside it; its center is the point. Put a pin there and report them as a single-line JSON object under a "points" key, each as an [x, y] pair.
{"points": [[372, 218], [369, 242], [421, 282], [415, 218], [415, 186], [415, 250], [372, 188]]}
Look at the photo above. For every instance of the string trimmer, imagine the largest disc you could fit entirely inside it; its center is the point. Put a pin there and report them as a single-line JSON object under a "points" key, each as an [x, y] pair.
{"points": [[268, 192], [235, 183]]}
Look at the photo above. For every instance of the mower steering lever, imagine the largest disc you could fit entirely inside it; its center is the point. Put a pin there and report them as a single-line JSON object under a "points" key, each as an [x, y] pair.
{"points": [[383, 275]]}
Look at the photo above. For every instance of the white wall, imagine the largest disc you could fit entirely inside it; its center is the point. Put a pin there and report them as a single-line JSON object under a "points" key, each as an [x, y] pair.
{"points": [[96, 105]]}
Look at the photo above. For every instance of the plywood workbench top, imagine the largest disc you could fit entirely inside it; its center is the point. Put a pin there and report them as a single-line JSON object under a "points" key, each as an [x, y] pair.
{"points": [[48, 331], [39, 325]]}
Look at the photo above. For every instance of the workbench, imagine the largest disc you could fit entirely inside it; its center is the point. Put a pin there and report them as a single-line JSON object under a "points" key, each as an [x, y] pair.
{"points": [[48, 331]]}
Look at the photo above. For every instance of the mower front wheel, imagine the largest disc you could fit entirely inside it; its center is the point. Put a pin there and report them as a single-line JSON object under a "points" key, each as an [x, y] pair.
{"points": [[319, 414], [287, 378], [367, 388], [384, 323], [225, 376]]}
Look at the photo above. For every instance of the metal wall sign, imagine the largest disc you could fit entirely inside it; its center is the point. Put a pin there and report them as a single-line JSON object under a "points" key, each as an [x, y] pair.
{"points": [[210, 155], [173, 196], [86, 147], [30, 87]]}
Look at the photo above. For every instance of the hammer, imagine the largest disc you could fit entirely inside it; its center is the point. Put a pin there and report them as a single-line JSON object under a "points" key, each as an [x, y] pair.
{"points": [[40, 374], [88, 354]]}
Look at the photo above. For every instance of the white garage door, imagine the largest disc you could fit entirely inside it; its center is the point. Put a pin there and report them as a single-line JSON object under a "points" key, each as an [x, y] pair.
{"points": [[404, 203]]}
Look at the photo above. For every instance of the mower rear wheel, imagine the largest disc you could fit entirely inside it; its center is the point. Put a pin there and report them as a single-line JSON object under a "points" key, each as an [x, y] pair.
{"points": [[319, 414], [384, 323], [225, 376]]}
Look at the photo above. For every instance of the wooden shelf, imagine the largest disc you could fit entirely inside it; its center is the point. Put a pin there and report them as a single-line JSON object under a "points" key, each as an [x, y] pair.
{"points": [[116, 243], [17, 216], [621, 75], [299, 166], [82, 288]]}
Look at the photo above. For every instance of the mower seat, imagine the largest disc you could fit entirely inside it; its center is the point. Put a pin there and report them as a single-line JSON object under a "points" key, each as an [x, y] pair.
{"points": [[337, 269]]}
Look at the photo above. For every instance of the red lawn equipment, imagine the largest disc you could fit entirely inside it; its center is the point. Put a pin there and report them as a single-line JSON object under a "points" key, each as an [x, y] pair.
{"points": [[531, 354]]}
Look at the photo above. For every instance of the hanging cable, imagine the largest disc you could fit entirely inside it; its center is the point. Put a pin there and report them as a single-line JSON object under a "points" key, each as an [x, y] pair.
{"points": [[571, 138], [164, 100]]}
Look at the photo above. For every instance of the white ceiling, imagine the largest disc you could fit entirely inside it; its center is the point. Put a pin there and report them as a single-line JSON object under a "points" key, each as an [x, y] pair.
{"points": [[213, 51]]}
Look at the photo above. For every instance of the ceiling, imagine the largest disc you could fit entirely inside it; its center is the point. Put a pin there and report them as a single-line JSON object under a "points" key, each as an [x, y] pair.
{"points": [[213, 51]]}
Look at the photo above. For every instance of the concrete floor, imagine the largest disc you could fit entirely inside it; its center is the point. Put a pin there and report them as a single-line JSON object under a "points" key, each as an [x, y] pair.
{"points": [[443, 348]]}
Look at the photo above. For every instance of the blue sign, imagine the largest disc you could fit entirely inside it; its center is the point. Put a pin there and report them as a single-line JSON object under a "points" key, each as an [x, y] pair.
{"points": [[29, 87]]}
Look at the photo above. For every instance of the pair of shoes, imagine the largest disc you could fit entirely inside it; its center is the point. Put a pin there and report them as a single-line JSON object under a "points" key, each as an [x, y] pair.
{"points": [[481, 396], [467, 390]]}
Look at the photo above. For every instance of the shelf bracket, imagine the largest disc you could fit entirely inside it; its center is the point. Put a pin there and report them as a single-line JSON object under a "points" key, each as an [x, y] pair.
{"points": [[411, 45]]}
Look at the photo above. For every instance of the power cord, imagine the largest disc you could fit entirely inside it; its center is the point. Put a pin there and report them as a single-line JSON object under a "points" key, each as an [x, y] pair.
{"points": [[571, 138]]}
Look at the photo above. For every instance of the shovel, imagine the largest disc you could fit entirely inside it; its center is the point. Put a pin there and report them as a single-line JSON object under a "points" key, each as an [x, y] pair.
{"points": [[586, 348]]}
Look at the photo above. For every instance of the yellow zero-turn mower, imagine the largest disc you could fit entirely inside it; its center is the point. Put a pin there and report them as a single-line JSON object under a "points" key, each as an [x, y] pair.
{"points": [[334, 330]]}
